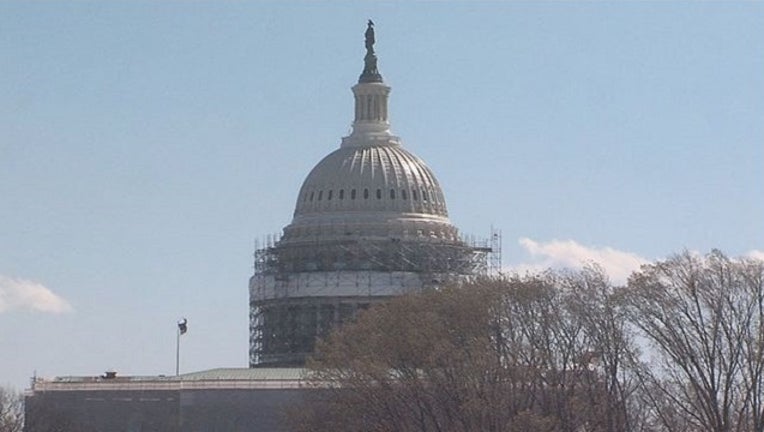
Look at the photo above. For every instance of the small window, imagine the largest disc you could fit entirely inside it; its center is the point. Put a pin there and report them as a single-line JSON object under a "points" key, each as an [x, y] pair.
{"points": [[379, 193], [320, 195], [352, 194], [403, 193], [329, 197], [424, 195], [365, 194], [413, 195], [342, 194], [311, 195], [392, 193]]}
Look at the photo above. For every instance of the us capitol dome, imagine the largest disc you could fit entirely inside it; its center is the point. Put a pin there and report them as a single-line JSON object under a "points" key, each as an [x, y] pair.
{"points": [[370, 223]]}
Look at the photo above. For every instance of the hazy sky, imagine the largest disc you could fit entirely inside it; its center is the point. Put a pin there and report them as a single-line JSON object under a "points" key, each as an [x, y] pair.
{"points": [[144, 146]]}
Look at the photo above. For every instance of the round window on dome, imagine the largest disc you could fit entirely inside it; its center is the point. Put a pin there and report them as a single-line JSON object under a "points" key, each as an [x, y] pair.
{"points": [[392, 193], [379, 193]]}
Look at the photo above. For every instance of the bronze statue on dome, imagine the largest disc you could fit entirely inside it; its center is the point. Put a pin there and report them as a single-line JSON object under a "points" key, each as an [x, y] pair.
{"points": [[370, 73], [370, 37]]}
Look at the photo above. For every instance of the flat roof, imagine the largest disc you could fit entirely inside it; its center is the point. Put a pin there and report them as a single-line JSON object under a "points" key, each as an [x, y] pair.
{"points": [[219, 378]]}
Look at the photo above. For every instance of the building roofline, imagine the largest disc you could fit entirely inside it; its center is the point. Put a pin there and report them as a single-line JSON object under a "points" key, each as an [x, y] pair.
{"points": [[212, 379]]}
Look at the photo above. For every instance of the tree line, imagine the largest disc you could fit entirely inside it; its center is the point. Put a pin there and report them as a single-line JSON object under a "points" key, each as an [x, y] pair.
{"points": [[678, 348]]}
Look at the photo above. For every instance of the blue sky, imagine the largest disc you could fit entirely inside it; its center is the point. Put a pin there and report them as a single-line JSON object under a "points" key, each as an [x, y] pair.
{"points": [[144, 146]]}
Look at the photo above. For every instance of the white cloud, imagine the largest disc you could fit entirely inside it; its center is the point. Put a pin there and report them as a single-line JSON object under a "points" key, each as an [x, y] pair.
{"points": [[755, 254], [18, 294], [570, 254]]}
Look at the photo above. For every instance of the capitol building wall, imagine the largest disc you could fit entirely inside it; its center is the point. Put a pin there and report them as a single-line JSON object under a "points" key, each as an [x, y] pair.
{"points": [[231, 400]]}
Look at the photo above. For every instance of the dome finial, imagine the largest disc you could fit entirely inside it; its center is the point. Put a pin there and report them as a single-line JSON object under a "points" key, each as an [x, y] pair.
{"points": [[370, 73]]}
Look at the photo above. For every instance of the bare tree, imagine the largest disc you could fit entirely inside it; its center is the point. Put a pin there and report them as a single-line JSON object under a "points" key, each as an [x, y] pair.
{"points": [[11, 410], [534, 353], [600, 309], [704, 317], [408, 365], [570, 328]]}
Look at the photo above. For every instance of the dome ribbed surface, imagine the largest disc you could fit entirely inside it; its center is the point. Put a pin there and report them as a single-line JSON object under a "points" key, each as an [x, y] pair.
{"points": [[385, 178], [370, 192]]}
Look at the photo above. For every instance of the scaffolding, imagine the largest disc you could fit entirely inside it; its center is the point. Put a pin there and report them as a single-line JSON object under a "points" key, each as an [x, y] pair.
{"points": [[494, 257], [284, 328]]}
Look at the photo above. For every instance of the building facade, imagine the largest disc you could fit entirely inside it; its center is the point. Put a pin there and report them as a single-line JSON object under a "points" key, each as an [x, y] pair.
{"points": [[370, 223], [229, 400]]}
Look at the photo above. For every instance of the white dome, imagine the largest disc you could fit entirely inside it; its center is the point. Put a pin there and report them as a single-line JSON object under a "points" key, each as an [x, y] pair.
{"points": [[370, 223], [372, 191], [371, 188], [384, 178]]}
